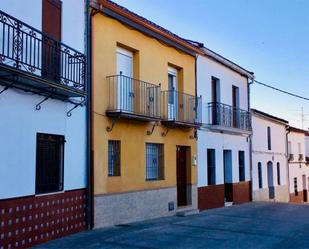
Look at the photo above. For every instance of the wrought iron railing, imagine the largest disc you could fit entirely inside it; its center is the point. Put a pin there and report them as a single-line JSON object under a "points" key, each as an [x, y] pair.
{"points": [[29, 50], [128, 95], [300, 157], [228, 116], [291, 157], [181, 107]]}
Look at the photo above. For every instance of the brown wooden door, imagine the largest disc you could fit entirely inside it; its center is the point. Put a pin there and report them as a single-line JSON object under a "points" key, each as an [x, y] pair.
{"points": [[181, 176], [51, 25]]}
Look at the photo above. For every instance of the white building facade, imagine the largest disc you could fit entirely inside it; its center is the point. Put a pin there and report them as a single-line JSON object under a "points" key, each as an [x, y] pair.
{"points": [[298, 168], [43, 139], [269, 158], [224, 139]]}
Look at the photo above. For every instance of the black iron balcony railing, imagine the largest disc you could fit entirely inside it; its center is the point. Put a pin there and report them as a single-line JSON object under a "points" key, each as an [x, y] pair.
{"points": [[291, 157], [228, 116], [300, 157], [28, 50], [133, 98], [178, 107]]}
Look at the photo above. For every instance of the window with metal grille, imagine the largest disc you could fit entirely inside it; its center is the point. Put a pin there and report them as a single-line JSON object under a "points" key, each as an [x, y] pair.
{"points": [[113, 158], [241, 159], [295, 186], [154, 161], [211, 166], [49, 163], [278, 174], [260, 175]]}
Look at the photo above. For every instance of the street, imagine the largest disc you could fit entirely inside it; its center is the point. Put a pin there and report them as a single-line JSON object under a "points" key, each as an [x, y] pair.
{"points": [[252, 225]]}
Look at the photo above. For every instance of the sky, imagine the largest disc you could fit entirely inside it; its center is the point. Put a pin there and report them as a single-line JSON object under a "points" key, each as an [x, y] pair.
{"points": [[268, 37]]}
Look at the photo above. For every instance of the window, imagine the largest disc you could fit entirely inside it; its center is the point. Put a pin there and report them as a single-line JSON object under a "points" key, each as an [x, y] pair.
{"points": [[278, 174], [113, 158], [211, 166], [241, 159], [154, 161], [269, 138], [295, 186], [260, 175], [49, 163]]}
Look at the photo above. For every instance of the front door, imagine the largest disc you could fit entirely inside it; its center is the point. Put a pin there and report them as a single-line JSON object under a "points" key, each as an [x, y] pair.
{"points": [[125, 94], [270, 180], [305, 189], [181, 176], [228, 176], [172, 96]]}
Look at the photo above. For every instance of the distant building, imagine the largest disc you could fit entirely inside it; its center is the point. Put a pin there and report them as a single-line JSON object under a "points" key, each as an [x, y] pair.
{"points": [[43, 148], [298, 170], [269, 158], [224, 138]]}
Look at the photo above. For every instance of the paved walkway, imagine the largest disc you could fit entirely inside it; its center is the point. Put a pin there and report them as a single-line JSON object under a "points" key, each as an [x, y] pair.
{"points": [[252, 225]]}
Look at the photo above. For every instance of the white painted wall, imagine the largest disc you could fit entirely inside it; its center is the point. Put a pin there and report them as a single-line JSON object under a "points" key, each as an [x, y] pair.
{"points": [[221, 142], [307, 145], [206, 68], [18, 127], [260, 152], [297, 168], [20, 121]]}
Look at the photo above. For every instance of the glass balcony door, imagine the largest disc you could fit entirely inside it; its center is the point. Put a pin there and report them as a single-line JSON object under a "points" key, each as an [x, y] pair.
{"points": [[172, 93], [125, 94]]}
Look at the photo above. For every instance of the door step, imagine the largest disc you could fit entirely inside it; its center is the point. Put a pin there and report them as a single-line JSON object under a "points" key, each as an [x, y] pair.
{"points": [[228, 204], [184, 213]]}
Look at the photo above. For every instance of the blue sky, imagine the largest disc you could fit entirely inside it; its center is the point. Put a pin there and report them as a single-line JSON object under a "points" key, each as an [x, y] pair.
{"points": [[268, 37]]}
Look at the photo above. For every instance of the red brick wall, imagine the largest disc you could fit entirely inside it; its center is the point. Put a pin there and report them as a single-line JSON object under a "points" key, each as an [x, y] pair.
{"points": [[239, 192], [297, 198], [28, 221], [210, 197]]}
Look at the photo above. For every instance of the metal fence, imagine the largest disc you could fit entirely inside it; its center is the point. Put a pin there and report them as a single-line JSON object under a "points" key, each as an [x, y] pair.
{"points": [[229, 116], [30, 50], [133, 96], [181, 107]]}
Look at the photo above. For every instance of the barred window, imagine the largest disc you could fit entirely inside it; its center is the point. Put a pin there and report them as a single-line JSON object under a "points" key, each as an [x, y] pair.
{"points": [[278, 174], [295, 186], [49, 163], [260, 176], [241, 159], [154, 161], [211, 166], [113, 158]]}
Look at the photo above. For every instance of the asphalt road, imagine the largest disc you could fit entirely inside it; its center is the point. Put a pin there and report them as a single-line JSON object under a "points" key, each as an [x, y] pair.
{"points": [[252, 225]]}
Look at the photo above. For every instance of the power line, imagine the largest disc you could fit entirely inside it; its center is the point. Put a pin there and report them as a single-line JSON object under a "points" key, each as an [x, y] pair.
{"points": [[282, 91]]}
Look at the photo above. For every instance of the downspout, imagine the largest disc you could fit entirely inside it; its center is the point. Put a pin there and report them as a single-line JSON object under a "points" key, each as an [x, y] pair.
{"points": [[287, 158], [89, 196], [250, 139]]}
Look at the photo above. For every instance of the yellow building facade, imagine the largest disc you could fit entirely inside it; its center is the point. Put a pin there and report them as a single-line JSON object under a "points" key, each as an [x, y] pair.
{"points": [[144, 118]]}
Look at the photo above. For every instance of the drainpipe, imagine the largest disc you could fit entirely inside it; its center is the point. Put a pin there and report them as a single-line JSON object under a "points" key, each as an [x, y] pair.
{"points": [[250, 138], [287, 158], [89, 196]]}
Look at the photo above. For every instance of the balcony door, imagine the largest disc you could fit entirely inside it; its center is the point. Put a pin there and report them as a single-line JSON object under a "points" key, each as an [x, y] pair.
{"points": [[235, 103], [172, 96], [125, 94], [215, 99]]}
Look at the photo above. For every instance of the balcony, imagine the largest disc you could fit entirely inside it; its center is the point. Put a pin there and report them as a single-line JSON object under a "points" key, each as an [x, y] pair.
{"points": [[133, 99], [291, 157], [227, 117], [181, 109], [32, 61], [300, 157]]}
